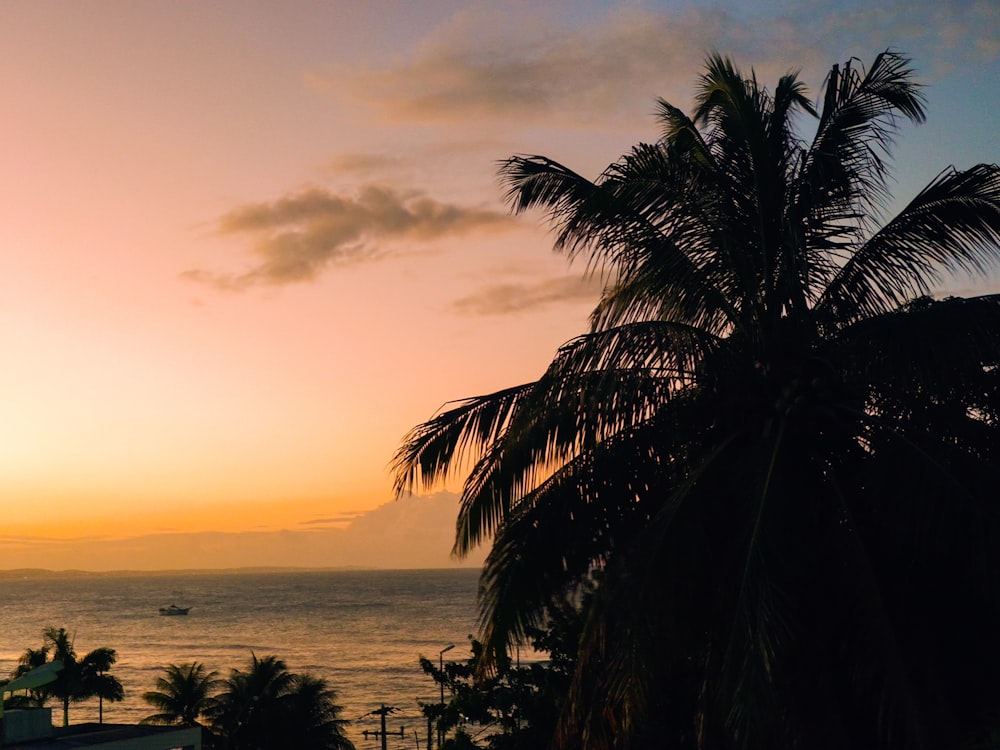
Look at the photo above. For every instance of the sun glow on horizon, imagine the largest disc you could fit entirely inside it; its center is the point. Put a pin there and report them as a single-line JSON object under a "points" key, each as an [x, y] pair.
{"points": [[247, 248], [99, 517]]}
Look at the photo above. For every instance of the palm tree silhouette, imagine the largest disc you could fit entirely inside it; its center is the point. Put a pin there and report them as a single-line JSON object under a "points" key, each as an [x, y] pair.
{"points": [[31, 659], [183, 694], [774, 452], [96, 681], [267, 707], [312, 716], [80, 678]]}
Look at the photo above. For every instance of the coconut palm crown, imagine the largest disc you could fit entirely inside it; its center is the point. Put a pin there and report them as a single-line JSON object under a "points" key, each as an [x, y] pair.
{"points": [[183, 694], [776, 451], [267, 707]]}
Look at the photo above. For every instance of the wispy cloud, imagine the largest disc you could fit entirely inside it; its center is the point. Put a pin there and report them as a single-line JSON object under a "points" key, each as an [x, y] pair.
{"points": [[482, 67], [300, 235], [504, 299], [608, 71], [14, 540], [363, 164], [333, 521]]}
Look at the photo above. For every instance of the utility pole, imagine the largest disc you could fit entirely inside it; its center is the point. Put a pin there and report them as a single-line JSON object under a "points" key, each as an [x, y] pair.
{"points": [[383, 712], [441, 654]]}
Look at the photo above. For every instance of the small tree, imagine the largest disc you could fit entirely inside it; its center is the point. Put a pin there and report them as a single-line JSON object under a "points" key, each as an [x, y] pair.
{"points": [[79, 679], [183, 695], [32, 658], [515, 706], [96, 681], [267, 707]]}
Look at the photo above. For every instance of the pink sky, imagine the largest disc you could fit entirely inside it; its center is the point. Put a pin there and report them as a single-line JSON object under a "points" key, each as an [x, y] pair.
{"points": [[247, 245]]}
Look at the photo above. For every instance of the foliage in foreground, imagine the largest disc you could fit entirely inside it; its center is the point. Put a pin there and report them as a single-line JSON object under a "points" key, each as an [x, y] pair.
{"points": [[515, 706], [264, 707], [183, 694], [775, 452]]}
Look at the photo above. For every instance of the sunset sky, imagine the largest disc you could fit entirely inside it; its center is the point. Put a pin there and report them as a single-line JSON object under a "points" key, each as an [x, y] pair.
{"points": [[245, 246]]}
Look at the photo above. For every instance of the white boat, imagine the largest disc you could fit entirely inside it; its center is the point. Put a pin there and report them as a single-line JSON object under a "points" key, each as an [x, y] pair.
{"points": [[173, 609]]}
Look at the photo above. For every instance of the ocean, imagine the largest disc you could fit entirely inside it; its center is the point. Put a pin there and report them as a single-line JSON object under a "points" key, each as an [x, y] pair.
{"points": [[364, 631]]}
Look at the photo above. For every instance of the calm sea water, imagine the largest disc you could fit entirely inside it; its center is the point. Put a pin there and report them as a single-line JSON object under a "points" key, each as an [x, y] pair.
{"points": [[364, 631]]}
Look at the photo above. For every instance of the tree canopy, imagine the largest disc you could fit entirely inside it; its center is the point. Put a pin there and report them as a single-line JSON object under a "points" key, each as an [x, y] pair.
{"points": [[183, 694], [81, 678], [775, 451], [267, 707], [517, 705]]}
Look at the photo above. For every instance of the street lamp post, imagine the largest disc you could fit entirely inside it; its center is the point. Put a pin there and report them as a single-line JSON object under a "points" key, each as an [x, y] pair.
{"points": [[441, 654]]}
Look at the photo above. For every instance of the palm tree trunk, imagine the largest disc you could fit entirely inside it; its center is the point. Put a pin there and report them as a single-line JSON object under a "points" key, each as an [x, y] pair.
{"points": [[66, 711]]}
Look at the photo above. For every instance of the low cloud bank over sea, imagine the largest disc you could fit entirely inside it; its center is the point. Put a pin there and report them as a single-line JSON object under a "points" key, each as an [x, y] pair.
{"points": [[413, 532]]}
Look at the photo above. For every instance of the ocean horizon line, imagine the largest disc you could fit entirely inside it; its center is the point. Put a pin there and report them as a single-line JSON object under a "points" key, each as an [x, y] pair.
{"points": [[23, 573]]}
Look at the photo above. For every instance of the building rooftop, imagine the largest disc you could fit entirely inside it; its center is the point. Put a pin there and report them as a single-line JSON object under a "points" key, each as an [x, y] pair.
{"points": [[114, 737]]}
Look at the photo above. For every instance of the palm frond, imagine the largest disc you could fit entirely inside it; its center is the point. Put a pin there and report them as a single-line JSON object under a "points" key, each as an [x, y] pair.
{"points": [[655, 597], [952, 225], [565, 417], [843, 178], [627, 221], [433, 449], [158, 719], [665, 348], [597, 386], [596, 503], [754, 151], [680, 133]]}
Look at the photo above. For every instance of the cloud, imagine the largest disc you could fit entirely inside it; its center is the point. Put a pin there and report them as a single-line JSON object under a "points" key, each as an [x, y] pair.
{"points": [[9, 541], [484, 67], [503, 299], [607, 72], [297, 237], [351, 164], [332, 521], [412, 532]]}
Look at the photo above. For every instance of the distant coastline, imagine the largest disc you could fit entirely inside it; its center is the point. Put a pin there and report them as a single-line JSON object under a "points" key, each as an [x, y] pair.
{"points": [[43, 573]]}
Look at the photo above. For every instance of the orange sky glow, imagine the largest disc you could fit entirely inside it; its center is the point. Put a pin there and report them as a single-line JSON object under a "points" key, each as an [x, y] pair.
{"points": [[245, 246]]}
